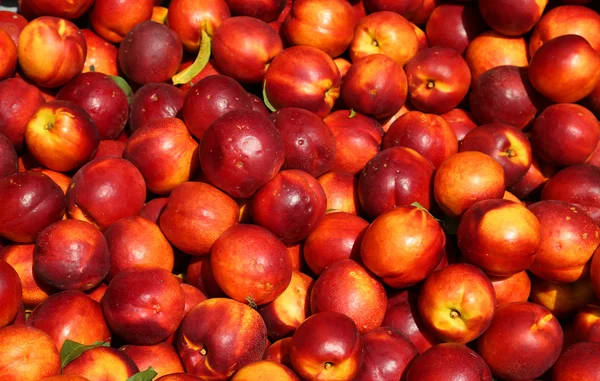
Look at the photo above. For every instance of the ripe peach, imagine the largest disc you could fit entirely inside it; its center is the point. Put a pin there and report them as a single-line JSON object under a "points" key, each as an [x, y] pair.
{"points": [[449, 361], [341, 191], [454, 26], [587, 323], [193, 297], [460, 121], [406, 8], [18, 102], [108, 148], [179, 377], [530, 185], [161, 357], [13, 23], [101, 55], [265, 370], [563, 300], [153, 209], [61, 8], [9, 161], [11, 293], [514, 288], [578, 362], [199, 274], [102, 363], [8, 61], [265, 10], [510, 17], [112, 19]]}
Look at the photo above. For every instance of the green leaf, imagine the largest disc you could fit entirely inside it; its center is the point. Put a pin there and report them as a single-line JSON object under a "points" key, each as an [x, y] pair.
{"points": [[71, 350], [187, 74], [146, 375], [352, 114], [332, 210], [266, 99], [92, 68], [425, 210], [122, 83]]}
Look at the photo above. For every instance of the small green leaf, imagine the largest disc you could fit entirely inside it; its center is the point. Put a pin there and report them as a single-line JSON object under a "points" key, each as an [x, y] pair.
{"points": [[266, 99], [187, 74], [71, 350], [352, 114], [92, 68], [122, 83], [332, 210], [251, 302], [146, 375], [425, 210]]}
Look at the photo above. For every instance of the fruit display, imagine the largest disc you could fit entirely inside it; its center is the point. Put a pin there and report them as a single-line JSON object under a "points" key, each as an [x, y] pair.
{"points": [[287, 190]]}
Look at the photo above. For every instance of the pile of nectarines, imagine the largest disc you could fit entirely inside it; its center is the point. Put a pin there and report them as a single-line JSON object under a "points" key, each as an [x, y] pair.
{"points": [[286, 190]]}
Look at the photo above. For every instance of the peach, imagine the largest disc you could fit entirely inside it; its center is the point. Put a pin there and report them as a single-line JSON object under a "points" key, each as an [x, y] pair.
{"points": [[563, 20], [424, 12], [341, 191], [102, 363], [150, 289], [403, 246], [265, 10], [155, 101], [357, 139], [250, 264], [101, 55], [290, 308], [449, 361], [51, 51], [303, 77], [337, 237], [438, 79], [113, 19], [136, 241], [428, 134], [563, 300], [153, 209], [13, 23], [70, 315], [159, 14], [457, 303], [569, 78], [161, 357], [61, 8], [165, 154], [466, 178], [291, 205], [454, 26], [179, 377], [368, 91], [106, 190], [98, 292], [220, 336], [327, 346], [406, 8], [492, 49], [279, 352], [326, 25], [108, 148], [28, 354], [11, 293], [63, 181], [587, 323], [506, 144], [512, 17], [295, 251], [193, 297], [263, 370], [199, 274], [505, 95], [522, 343], [513, 288], [384, 32], [150, 52], [18, 102], [578, 362], [460, 121], [32, 201], [569, 239], [8, 61], [9, 161], [499, 236], [397, 176], [534, 180], [65, 377]]}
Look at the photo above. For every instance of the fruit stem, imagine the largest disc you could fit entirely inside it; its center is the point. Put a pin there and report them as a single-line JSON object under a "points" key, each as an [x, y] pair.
{"points": [[48, 126], [454, 314], [328, 365], [511, 153], [430, 84]]}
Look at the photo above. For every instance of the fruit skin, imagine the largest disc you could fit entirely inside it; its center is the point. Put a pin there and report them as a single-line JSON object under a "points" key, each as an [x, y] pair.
{"points": [[250, 262], [13, 23], [506, 144], [449, 361], [368, 91], [279, 352], [155, 101], [566, 19], [8, 62], [165, 154], [454, 26], [102, 99], [511, 248], [325, 25], [70, 315], [112, 19], [9, 161], [578, 362], [230, 334], [32, 201], [349, 288], [101, 54], [397, 176], [536, 339], [327, 346], [438, 79], [150, 52], [11, 293], [303, 77], [88, 200], [510, 17], [567, 79], [406, 8], [386, 33], [569, 239], [64, 9], [71, 255], [563, 300], [460, 121], [505, 95], [92, 364], [406, 256], [51, 51], [195, 215], [148, 288], [29, 354], [291, 205], [388, 354], [232, 164], [514, 288], [161, 357], [466, 178], [262, 370], [428, 134], [62, 136], [341, 192], [587, 323], [18, 102], [265, 10], [565, 134]]}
